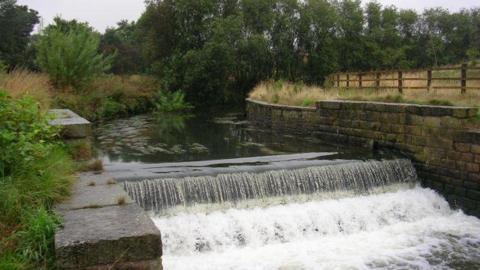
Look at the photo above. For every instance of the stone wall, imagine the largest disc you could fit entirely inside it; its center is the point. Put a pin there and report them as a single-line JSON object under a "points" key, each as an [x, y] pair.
{"points": [[436, 138]]}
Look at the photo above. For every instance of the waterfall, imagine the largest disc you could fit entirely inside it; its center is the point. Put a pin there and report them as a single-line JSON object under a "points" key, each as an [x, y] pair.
{"points": [[360, 177], [407, 229]]}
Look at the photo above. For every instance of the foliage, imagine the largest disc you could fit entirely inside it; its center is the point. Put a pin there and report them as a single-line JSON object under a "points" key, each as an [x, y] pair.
{"points": [[35, 172], [16, 24], [68, 52], [123, 41], [171, 101], [21, 82], [110, 96], [24, 132], [217, 50], [300, 94]]}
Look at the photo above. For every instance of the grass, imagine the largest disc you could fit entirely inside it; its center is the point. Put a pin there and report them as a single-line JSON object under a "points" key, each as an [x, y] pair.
{"points": [[35, 172], [27, 222], [106, 97], [279, 92], [23, 82]]}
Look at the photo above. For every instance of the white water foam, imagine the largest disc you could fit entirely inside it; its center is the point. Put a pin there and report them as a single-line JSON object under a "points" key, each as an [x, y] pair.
{"points": [[407, 229]]}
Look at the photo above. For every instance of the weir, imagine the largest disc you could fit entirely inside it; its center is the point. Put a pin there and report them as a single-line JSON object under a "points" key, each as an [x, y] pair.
{"points": [[360, 177]]}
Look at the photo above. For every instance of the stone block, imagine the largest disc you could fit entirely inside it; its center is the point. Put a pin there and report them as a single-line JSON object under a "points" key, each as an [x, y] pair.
{"points": [[473, 194], [413, 130], [105, 237], [432, 122], [462, 147], [72, 125], [451, 122], [95, 197], [472, 167], [471, 185], [330, 104], [414, 120], [475, 148]]}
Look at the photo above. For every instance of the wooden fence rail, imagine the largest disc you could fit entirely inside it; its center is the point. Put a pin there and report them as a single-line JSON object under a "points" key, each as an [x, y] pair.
{"points": [[399, 79]]}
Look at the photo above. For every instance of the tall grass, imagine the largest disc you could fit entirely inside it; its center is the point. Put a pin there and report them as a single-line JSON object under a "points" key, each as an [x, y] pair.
{"points": [[298, 94], [35, 172], [110, 96], [22, 82]]}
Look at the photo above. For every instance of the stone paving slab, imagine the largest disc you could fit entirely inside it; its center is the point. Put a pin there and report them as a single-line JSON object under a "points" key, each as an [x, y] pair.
{"points": [[95, 197], [73, 126], [107, 237]]}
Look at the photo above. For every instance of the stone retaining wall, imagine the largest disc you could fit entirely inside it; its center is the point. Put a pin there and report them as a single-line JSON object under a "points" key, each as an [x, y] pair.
{"points": [[446, 154]]}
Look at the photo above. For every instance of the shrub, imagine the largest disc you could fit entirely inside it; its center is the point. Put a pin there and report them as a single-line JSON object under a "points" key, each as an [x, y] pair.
{"points": [[440, 102], [24, 133], [35, 172], [308, 102], [171, 101], [70, 56]]}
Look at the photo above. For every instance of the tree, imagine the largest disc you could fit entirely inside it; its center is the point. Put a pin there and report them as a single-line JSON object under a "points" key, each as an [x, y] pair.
{"points": [[68, 52], [123, 42], [16, 24]]}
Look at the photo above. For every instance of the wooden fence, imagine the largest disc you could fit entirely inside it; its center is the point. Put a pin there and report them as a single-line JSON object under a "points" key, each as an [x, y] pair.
{"points": [[462, 78]]}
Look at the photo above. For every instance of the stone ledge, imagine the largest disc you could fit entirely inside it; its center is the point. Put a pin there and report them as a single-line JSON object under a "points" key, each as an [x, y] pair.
{"points": [[416, 109], [95, 197], [95, 238], [73, 126]]}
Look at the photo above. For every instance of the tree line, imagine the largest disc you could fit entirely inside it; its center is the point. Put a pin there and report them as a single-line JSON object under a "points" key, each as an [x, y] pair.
{"points": [[217, 50]]}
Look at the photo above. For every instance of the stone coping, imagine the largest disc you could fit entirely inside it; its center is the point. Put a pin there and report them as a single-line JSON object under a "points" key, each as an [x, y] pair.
{"points": [[417, 109], [73, 126], [299, 108], [64, 117]]}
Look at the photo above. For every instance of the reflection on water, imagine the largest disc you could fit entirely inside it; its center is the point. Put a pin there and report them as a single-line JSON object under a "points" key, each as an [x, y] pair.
{"points": [[157, 138]]}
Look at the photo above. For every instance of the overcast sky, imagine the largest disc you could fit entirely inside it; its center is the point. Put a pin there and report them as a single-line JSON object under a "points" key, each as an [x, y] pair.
{"points": [[103, 13]]}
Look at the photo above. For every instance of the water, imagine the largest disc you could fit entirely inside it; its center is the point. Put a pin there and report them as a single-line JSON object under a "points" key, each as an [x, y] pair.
{"points": [[216, 134], [407, 229], [367, 214], [359, 177]]}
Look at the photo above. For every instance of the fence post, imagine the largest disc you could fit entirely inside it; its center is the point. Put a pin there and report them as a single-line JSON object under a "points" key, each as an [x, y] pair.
{"points": [[377, 80], [338, 80], [360, 80], [464, 78], [348, 80], [400, 82], [429, 80]]}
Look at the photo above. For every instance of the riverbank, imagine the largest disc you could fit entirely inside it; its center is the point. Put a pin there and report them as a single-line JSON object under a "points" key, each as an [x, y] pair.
{"points": [[36, 171], [106, 97], [441, 140], [298, 94]]}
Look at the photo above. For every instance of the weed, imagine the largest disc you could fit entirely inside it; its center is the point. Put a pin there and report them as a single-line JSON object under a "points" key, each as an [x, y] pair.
{"points": [[111, 181], [121, 200]]}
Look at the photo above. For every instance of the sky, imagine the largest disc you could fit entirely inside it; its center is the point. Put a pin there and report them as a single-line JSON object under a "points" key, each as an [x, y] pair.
{"points": [[103, 13]]}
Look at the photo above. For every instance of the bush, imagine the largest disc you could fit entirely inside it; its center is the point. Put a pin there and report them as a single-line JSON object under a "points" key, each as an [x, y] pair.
{"points": [[35, 172], [171, 101], [24, 133], [70, 56]]}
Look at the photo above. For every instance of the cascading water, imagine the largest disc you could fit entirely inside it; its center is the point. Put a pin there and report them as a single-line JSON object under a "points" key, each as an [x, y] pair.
{"points": [[407, 227], [359, 177]]}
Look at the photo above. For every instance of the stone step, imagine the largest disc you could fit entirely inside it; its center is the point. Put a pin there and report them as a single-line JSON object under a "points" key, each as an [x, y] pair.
{"points": [[100, 231]]}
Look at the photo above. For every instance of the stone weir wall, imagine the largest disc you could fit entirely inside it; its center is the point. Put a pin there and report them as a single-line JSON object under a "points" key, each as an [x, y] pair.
{"points": [[437, 138]]}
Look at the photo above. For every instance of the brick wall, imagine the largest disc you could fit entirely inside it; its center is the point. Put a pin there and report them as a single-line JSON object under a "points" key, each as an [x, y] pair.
{"points": [[446, 153]]}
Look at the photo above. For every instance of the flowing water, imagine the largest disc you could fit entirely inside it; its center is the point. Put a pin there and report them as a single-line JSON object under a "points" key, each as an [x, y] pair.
{"points": [[359, 177], [369, 213], [407, 229]]}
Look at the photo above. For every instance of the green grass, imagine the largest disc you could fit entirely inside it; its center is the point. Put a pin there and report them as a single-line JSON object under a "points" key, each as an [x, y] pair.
{"points": [[35, 172]]}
